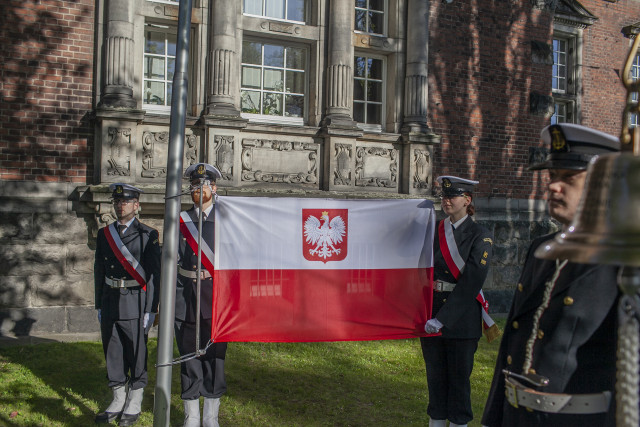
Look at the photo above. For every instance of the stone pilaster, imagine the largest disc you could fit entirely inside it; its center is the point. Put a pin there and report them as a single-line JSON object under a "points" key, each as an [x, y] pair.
{"points": [[416, 85]]}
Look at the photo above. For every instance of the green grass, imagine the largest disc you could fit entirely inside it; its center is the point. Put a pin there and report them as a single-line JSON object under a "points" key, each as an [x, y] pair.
{"points": [[286, 384]]}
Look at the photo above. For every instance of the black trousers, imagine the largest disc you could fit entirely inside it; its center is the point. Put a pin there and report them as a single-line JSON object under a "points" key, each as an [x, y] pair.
{"points": [[204, 375], [449, 363], [125, 350]]}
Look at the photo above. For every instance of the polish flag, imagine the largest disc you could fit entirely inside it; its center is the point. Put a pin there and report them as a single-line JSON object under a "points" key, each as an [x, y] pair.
{"points": [[300, 270]]}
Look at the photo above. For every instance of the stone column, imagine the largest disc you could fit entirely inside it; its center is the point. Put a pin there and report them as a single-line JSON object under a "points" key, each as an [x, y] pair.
{"points": [[415, 82], [340, 65], [224, 78], [118, 56]]}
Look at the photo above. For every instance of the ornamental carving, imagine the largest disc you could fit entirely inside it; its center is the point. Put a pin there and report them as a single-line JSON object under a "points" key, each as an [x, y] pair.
{"points": [[342, 172], [155, 147], [191, 143], [376, 167], [422, 174], [285, 162], [119, 160], [223, 154]]}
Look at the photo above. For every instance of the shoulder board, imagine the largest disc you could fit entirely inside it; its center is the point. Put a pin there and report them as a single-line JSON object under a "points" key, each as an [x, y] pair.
{"points": [[488, 239]]}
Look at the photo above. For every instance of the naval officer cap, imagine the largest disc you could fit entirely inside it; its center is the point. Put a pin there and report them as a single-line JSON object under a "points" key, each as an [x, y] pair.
{"points": [[573, 146], [124, 191], [202, 170], [455, 186]]}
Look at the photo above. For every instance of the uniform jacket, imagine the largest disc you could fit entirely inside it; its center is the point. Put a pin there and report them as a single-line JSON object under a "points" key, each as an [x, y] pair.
{"points": [[188, 259], [459, 311], [576, 344], [128, 303]]}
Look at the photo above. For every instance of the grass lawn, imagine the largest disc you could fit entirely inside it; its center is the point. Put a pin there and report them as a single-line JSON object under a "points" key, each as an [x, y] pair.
{"points": [[370, 383]]}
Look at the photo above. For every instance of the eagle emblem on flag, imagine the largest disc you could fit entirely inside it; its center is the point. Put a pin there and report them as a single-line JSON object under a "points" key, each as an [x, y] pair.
{"points": [[324, 234]]}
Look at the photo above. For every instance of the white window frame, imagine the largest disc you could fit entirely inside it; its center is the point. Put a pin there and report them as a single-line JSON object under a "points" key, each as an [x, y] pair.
{"points": [[266, 118], [304, 18], [385, 14], [167, 29], [635, 75], [567, 96], [370, 127]]}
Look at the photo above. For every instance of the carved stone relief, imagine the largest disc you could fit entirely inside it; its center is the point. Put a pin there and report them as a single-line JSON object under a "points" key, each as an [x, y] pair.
{"points": [[191, 143], [223, 149], [422, 175], [279, 161], [119, 160], [342, 172], [376, 167], [155, 146]]}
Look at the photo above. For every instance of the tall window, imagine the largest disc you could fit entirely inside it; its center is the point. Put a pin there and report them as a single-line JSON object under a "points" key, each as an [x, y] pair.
{"points": [[559, 79], [273, 82], [562, 80], [288, 10], [370, 16], [159, 66], [635, 75], [368, 92]]}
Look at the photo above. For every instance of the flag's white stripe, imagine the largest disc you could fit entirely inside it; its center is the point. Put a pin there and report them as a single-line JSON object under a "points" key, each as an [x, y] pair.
{"points": [[193, 230], [125, 252], [453, 247]]}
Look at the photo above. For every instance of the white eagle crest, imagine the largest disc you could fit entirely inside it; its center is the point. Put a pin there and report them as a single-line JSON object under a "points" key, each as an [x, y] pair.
{"points": [[324, 236]]}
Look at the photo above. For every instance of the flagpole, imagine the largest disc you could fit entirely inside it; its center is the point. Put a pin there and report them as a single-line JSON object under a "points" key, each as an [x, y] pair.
{"points": [[162, 401]]}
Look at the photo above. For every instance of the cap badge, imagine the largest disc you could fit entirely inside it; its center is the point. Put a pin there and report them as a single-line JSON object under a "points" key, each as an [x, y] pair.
{"points": [[446, 182], [119, 189], [200, 169], [558, 143]]}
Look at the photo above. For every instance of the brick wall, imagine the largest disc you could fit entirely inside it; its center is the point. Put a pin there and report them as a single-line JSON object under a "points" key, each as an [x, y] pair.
{"points": [[46, 81]]}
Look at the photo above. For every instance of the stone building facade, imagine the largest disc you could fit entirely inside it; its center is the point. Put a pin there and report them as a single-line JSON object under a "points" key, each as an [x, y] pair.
{"points": [[306, 98]]}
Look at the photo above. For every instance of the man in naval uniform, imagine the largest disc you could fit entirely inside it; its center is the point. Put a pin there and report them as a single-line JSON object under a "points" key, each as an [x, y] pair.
{"points": [[127, 278], [202, 376], [557, 360]]}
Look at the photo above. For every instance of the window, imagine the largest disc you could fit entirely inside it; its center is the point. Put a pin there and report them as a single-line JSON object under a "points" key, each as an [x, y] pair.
{"points": [[273, 82], [368, 92], [563, 87], [370, 16], [288, 10], [635, 75], [159, 66], [559, 79]]}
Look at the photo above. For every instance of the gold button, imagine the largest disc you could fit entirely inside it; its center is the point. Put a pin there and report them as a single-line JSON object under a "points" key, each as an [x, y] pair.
{"points": [[568, 301], [446, 272], [520, 287], [444, 300], [540, 334], [532, 371], [509, 360], [515, 325], [112, 266]]}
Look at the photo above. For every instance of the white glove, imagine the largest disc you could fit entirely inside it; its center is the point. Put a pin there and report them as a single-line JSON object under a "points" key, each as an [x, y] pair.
{"points": [[148, 320], [432, 326], [99, 316]]}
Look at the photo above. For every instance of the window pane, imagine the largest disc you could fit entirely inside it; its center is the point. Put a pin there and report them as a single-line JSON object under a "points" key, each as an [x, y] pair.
{"points": [[154, 43], [272, 104], [274, 9], [295, 10], [251, 53], [273, 79], [171, 68], [374, 91], [375, 69], [374, 114], [154, 93], [172, 40], [294, 106], [251, 77], [361, 20], [360, 67], [376, 5], [250, 102], [296, 58], [169, 93], [253, 7], [376, 23], [361, 3], [358, 112], [153, 68], [295, 82], [358, 90], [273, 56]]}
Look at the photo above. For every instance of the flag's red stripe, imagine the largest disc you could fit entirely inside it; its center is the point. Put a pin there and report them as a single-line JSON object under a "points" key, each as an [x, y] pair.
{"points": [[444, 249], [321, 305], [127, 266]]}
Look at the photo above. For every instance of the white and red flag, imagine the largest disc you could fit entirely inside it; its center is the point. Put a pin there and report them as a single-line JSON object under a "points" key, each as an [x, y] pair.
{"points": [[294, 270]]}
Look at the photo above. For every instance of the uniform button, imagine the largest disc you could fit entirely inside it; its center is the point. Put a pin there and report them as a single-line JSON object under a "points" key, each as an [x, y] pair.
{"points": [[515, 325], [106, 258], [112, 266], [568, 301], [520, 287], [509, 360], [446, 272], [540, 334], [195, 280], [444, 300]]}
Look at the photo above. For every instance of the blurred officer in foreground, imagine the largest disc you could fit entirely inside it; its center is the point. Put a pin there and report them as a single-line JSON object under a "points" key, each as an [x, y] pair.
{"points": [[461, 257], [557, 360], [127, 279], [204, 375]]}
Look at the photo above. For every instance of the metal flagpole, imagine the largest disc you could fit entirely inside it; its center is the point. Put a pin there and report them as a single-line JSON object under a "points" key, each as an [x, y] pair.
{"points": [[162, 403]]}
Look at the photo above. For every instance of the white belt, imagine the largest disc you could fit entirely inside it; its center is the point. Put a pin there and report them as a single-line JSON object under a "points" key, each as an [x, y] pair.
{"points": [[121, 283], [556, 403], [204, 273], [442, 286]]}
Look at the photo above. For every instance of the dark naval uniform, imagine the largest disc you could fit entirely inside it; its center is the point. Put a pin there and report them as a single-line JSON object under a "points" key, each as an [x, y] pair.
{"points": [[449, 358], [202, 376], [123, 309], [575, 342]]}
